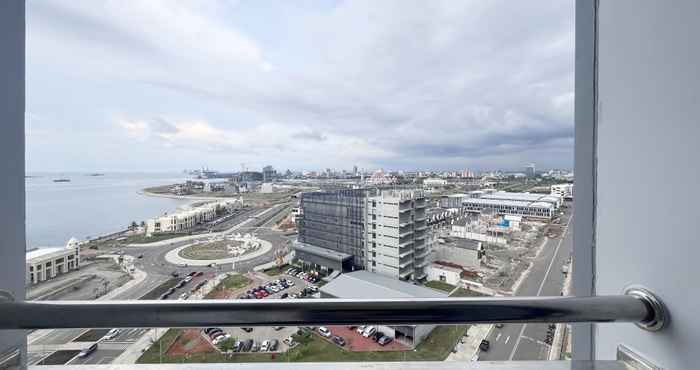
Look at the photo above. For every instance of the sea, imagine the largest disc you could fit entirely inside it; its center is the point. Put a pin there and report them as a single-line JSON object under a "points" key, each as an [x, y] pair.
{"points": [[90, 206]]}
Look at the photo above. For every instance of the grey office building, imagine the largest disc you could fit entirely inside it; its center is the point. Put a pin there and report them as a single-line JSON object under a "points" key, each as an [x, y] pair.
{"points": [[331, 229]]}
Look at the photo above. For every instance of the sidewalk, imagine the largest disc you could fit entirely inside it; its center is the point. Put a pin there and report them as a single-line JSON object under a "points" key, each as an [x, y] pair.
{"points": [[560, 331], [468, 350]]}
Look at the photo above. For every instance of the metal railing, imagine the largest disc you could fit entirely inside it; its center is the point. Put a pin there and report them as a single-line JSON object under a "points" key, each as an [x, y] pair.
{"points": [[637, 306]]}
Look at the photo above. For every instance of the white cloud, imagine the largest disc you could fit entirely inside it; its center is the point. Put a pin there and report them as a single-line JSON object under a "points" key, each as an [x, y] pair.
{"points": [[384, 83]]}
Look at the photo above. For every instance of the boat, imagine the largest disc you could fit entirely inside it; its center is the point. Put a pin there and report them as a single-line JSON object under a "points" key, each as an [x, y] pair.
{"points": [[96, 174], [61, 180]]}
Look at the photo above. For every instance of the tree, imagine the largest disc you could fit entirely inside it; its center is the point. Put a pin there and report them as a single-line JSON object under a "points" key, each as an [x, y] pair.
{"points": [[133, 225]]}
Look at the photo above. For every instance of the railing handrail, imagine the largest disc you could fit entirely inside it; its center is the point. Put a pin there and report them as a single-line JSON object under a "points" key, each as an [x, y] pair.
{"points": [[108, 314]]}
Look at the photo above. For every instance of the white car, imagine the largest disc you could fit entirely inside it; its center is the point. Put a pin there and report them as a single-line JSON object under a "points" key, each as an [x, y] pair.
{"points": [[184, 296], [361, 329], [290, 283], [265, 346], [188, 279], [369, 331], [111, 334], [324, 331], [221, 338]]}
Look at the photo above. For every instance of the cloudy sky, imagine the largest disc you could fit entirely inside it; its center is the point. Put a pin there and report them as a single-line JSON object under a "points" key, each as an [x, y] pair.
{"points": [[168, 85]]}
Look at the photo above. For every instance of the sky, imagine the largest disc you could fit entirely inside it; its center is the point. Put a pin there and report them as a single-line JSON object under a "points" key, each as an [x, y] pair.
{"points": [[167, 85]]}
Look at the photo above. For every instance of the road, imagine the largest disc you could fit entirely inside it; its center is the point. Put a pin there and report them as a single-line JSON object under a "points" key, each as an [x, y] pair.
{"points": [[526, 341], [159, 271]]}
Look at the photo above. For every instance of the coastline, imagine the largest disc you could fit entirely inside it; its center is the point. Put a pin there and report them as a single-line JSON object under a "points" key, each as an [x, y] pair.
{"points": [[185, 197]]}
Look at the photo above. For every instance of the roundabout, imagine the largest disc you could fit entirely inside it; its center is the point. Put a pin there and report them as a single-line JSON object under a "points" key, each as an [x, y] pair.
{"points": [[219, 250]]}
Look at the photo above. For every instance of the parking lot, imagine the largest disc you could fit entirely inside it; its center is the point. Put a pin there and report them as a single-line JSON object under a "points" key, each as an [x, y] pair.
{"points": [[260, 334]]}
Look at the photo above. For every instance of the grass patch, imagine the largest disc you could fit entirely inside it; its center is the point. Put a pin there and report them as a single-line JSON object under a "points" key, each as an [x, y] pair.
{"points": [[461, 292], [158, 350], [156, 292], [236, 281], [274, 271], [440, 285]]}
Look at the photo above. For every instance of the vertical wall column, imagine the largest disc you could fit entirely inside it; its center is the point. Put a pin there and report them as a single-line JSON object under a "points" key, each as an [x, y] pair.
{"points": [[12, 242]]}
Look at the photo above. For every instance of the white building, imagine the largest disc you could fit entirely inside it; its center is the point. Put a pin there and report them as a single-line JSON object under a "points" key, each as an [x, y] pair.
{"points": [[464, 252], [452, 200], [446, 274], [565, 191], [46, 263], [525, 197], [186, 219], [267, 188], [397, 235], [530, 209], [433, 181]]}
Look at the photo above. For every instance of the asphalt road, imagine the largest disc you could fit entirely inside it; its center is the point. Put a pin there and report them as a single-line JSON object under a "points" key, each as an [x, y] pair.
{"points": [[158, 270], [526, 341]]}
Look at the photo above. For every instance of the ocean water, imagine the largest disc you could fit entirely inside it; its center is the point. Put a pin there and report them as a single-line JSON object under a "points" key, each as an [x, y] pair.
{"points": [[89, 206]]}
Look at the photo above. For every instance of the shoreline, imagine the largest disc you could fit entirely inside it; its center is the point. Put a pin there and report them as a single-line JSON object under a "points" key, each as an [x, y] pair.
{"points": [[185, 197]]}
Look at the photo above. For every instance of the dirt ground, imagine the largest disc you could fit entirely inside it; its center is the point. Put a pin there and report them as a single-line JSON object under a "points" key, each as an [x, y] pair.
{"points": [[91, 281], [190, 341]]}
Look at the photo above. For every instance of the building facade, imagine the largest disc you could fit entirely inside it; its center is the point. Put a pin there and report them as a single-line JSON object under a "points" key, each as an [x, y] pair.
{"points": [[380, 230], [46, 263], [566, 191], [186, 219]]}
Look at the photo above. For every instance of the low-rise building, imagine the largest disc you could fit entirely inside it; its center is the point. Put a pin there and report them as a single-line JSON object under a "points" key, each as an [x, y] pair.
{"points": [[366, 285], [47, 263], [464, 252], [446, 274], [186, 219], [530, 209], [565, 191]]}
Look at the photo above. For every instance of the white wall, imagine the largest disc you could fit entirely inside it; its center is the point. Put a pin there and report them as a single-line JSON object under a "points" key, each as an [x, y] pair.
{"points": [[648, 133]]}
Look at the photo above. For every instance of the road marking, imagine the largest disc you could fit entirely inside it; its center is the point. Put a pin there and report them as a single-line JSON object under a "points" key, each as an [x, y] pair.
{"points": [[498, 337], [507, 339], [544, 279]]}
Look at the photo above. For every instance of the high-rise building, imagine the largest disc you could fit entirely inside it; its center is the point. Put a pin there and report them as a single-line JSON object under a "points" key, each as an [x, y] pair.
{"points": [[530, 170], [380, 230], [354, 170], [268, 173]]}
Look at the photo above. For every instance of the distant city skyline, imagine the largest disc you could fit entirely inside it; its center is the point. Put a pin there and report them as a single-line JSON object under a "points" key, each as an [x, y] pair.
{"points": [[164, 86]]}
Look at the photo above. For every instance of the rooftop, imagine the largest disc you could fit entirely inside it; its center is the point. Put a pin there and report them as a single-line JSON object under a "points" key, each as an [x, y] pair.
{"points": [[368, 285], [462, 243], [40, 252], [322, 252], [513, 203]]}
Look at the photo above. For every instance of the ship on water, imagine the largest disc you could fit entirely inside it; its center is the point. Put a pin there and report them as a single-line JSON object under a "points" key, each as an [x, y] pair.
{"points": [[61, 180]]}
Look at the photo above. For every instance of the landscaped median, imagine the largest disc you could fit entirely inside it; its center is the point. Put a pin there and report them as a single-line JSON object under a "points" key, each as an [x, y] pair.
{"points": [[440, 285]]}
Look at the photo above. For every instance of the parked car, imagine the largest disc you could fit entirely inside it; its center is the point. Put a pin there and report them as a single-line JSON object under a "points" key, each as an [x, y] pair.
{"points": [[111, 334], [265, 346], [247, 330], [247, 345], [139, 256], [87, 351], [170, 291], [484, 345], [255, 347], [181, 283], [499, 325], [339, 340], [273, 345], [192, 273], [283, 296], [237, 346], [174, 274], [361, 329], [377, 335], [184, 296], [198, 273], [278, 328], [324, 331], [369, 331], [384, 340], [290, 283], [208, 330], [188, 279]]}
